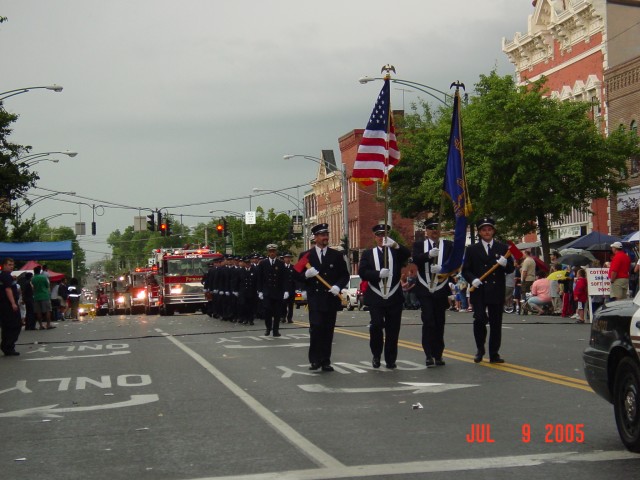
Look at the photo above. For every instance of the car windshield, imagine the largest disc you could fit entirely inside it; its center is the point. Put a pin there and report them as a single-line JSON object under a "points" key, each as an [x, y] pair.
{"points": [[188, 266]]}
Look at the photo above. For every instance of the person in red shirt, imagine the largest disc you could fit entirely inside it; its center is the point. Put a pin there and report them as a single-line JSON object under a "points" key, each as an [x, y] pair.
{"points": [[619, 272], [580, 293]]}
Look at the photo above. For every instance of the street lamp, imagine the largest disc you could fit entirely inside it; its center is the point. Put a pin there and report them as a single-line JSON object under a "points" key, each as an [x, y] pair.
{"points": [[344, 181], [18, 91], [408, 83], [43, 197], [56, 215], [33, 156]]}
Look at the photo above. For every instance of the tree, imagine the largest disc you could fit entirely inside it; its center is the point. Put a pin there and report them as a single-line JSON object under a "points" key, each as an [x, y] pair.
{"points": [[529, 158], [15, 177]]}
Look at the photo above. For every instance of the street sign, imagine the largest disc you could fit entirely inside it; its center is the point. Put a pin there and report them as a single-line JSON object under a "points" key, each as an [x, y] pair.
{"points": [[81, 228], [139, 224], [250, 218]]}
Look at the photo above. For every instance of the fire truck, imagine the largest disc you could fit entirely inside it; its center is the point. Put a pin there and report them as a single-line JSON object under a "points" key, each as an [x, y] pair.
{"points": [[144, 290], [179, 278], [119, 294]]}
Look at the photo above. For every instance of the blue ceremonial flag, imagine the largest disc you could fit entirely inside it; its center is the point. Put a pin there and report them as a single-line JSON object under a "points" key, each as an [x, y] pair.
{"points": [[455, 188]]}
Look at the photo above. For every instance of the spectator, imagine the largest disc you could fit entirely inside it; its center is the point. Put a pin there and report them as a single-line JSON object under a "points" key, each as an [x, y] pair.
{"points": [[517, 287], [63, 296], [619, 272], [580, 293], [527, 272], [41, 298], [26, 298], [540, 298]]}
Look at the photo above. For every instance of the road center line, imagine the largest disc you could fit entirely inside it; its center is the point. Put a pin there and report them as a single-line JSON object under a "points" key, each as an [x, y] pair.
{"points": [[309, 449]]}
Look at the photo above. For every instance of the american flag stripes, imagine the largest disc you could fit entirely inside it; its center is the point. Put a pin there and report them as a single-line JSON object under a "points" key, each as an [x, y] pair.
{"points": [[378, 150]]}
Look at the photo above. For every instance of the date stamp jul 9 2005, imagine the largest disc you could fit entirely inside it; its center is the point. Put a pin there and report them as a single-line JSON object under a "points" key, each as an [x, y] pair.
{"points": [[553, 433]]}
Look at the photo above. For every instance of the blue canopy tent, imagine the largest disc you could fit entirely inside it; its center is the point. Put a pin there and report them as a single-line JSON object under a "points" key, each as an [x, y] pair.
{"points": [[590, 239], [37, 250]]}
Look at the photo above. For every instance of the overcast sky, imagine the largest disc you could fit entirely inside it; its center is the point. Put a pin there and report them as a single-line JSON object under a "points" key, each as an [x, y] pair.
{"points": [[172, 103]]}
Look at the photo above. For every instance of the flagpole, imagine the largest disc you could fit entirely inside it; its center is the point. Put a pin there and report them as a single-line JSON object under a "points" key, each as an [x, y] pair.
{"points": [[385, 179]]}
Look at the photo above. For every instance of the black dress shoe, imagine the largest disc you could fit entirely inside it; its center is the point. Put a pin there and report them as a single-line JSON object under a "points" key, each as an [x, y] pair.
{"points": [[327, 368], [266, 334], [289, 321], [375, 363], [276, 334], [390, 366], [439, 362], [478, 357], [497, 359], [314, 366], [430, 363], [12, 354]]}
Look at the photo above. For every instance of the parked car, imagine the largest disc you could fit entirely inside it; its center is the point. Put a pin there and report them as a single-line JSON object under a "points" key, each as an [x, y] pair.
{"points": [[353, 293], [612, 364]]}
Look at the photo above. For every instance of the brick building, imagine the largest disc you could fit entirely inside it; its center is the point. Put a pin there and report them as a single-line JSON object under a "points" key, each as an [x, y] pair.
{"points": [[365, 206], [622, 82], [573, 43]]}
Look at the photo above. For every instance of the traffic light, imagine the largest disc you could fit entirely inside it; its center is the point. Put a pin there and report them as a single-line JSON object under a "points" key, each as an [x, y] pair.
{"points": [[151, 222], [168, 228], [163, 229], [220, 229], [224, 227], [159, 222], [93, 228]]}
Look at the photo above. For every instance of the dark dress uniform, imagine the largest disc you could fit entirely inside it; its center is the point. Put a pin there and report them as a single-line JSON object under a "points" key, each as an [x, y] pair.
{"points": [[290, 286], [10, 321], [385, 304], [433, 296], [247, 295], [271, 283], [323, 305], [488, 299]]}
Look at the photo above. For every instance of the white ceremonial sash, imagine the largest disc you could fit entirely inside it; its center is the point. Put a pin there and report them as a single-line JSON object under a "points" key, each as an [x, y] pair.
{"points": [[426, 279], [376, 261]]}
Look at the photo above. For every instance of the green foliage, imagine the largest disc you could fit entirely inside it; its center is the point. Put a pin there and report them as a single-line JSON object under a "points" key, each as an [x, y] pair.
{"points": [[15, 177], [529, 158]]}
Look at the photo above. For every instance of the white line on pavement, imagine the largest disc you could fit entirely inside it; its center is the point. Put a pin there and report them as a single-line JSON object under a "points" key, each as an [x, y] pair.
{"points": [[310, 450]]}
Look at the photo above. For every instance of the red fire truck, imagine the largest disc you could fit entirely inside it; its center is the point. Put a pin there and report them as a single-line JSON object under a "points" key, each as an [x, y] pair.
{"points": [[144, 290], [179, 278]]}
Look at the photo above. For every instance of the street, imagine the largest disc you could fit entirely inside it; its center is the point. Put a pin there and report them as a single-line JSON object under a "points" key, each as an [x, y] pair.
{"points": [[190, 397]]}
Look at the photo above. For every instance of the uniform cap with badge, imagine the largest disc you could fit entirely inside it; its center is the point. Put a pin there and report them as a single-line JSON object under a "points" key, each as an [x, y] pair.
{"points": [[485, 221], [320, 228]]}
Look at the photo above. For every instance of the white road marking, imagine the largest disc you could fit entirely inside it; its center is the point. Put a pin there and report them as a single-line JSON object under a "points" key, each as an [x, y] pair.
{"points": [[73, 357], [309, 449], [415, 387], [283, 345], [49, 411], [435, 466]]}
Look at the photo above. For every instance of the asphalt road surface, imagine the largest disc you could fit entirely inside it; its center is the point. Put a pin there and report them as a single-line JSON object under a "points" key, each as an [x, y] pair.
{"points": [[189, 397]]}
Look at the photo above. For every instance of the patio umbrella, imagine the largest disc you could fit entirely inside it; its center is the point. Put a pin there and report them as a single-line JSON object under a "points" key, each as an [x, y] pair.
{"points": [[559, 275], [578, 251], [574, 260], [600, 247]]}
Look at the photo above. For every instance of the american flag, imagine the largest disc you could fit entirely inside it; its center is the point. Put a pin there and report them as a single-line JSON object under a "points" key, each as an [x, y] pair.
{"points": [[378, 150]]}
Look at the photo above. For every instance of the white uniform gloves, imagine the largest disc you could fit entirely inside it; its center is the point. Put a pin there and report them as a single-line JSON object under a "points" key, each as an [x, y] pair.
{"points": [[434, 252], [311, 272]]}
